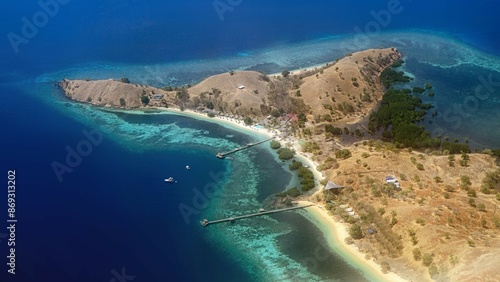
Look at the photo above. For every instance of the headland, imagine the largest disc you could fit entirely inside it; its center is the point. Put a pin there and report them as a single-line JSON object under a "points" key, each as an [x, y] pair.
{"points": [[426, 227]]}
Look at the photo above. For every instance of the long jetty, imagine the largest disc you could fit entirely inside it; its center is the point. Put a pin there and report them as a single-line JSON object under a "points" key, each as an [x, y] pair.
{"points": [[206, 222], [224, 154]]}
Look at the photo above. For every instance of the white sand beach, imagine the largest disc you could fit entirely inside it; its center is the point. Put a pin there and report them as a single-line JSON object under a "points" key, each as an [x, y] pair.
{"points": [[334, 231], [335, 234]]}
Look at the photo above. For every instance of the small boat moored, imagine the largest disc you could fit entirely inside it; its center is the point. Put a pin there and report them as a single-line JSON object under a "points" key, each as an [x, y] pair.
{"points": [[188, 167], [170, 180]]}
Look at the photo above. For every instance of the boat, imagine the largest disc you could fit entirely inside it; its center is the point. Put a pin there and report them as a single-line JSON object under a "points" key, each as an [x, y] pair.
{"points": [[188, 167], [170, 179]]}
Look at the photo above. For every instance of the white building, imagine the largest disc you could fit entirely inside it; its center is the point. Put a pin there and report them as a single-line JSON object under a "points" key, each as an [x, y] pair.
{"points": [[392, 179]]}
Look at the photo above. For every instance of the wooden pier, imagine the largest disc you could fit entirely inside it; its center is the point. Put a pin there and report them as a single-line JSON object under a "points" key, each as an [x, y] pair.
{"points": [[206, 222], [224, 154]]}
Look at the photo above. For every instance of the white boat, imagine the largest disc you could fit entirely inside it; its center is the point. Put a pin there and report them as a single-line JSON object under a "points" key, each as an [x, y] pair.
{"points": [[169, 180], [188, 167]]}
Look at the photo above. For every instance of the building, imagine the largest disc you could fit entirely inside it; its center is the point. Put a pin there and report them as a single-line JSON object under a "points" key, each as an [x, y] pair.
{"points": [[157, 97], [392, 179], [293, 118], [330, 186]]}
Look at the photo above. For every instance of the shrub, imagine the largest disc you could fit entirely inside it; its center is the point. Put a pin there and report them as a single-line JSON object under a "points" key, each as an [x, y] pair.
{"points": [[417, 255], [333, 130], [125, 80], [481, 207], [122, 102], [421, 221], [275, 144], [465, 179], [285, 153], [427, 259], [248, 121], [293, 192], [433, 271], [472, 202], [343, 154], [355, 231], [420, 166], [145, 99], [294, 165], [472, 193], [496, 221]]}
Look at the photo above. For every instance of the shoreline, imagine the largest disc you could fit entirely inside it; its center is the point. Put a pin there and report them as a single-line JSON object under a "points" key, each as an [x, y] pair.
{"points": [[298, 71], [335, 233], [228, 123]]}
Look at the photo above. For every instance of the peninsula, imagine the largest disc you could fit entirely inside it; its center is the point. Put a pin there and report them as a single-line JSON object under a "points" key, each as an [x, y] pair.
{"points": [[419, 206]]}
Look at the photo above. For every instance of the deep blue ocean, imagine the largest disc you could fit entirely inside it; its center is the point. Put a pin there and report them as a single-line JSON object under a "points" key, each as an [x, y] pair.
{"points": [[112, 216]]}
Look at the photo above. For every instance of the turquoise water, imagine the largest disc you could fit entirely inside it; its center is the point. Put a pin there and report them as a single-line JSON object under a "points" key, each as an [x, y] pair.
{"points": [[123, 178], [464, 77]]}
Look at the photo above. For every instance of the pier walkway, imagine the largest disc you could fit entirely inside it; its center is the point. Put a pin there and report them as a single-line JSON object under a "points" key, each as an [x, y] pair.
{"points": [[224, 154], [206, 222]]}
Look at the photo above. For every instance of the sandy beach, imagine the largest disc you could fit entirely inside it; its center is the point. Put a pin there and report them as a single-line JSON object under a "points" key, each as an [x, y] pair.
{"points": [[228, 122], [301, 70], [335, 234]]}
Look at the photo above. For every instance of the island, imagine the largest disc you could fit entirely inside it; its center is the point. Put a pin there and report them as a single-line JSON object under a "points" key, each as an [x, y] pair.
{"points": [[410, 205]]}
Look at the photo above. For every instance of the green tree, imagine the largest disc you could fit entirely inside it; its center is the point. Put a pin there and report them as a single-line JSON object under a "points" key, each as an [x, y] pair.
{"points": [[343, 154], [182, 95], [145, 99], [285, 153], [355, 231], [275, 144], [248, 121], [294, 165], [122, 102], [125, 80], [333, 130]]}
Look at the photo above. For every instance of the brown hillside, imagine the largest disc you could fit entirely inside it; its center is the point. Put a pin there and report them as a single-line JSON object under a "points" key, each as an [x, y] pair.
{"points": [[433, 203], [350, 86], [223, 90], [107, 92]]}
